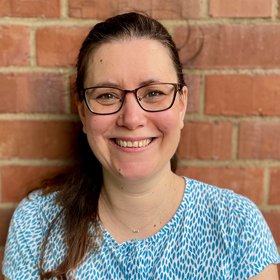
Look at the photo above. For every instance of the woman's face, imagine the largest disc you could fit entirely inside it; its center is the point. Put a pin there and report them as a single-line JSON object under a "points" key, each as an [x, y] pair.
{"points": [[127, 64]]}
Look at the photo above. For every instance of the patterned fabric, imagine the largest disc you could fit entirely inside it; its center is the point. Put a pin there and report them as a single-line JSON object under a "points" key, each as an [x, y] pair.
{"points": [[215, 234]]}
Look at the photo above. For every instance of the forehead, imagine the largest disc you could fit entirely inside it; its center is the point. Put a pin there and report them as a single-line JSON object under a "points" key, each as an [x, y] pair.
{"points": [[131, 59]]}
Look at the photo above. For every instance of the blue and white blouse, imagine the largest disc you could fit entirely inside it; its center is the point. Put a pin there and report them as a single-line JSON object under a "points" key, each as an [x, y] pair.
{"points": [[215, 234]]}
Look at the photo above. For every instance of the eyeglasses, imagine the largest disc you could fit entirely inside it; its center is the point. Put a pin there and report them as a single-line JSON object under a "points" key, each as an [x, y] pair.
{"points": [[154, 97]]}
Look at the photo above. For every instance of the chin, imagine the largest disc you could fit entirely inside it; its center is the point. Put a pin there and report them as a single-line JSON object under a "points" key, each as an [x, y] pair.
{"points": [[133, 175], [140, 171]]}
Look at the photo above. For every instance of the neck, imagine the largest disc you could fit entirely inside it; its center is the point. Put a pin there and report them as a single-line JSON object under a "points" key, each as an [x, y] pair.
{"points": [[137, 195], [142, 205]]}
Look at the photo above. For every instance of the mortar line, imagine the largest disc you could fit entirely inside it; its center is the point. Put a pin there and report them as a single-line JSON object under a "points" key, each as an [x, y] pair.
{"points": [[32, 47], [191, 117], [266, 185], [35, 162], [235, 134], [67, 94], [80, 22], [205, 9], [275, 10], [64, 9], [8, 205], [239, 163], [39, 117], [202, 93]]}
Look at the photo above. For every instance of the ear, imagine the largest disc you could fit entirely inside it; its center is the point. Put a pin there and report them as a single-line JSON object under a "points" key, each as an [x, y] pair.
{"points": [[183, 104], [82, 113]]}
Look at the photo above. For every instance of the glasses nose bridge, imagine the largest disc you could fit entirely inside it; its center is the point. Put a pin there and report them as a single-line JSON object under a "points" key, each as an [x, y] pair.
{"points": [[134, 91]]}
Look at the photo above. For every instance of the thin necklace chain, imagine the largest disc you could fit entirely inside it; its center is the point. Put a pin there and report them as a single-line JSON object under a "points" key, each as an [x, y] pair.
{"points": [[139, 230], [136, 230]]}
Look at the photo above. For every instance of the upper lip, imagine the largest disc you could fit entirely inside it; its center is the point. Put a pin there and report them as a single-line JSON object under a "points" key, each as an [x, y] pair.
{"points": [[132, 139]]}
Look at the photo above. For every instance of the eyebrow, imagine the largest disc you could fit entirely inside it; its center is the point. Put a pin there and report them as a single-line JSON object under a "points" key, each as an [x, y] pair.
{"points": [[111, 84]]}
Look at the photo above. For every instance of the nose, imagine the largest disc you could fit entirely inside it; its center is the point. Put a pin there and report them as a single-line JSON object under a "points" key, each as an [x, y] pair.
{"points": [[131, 115]]}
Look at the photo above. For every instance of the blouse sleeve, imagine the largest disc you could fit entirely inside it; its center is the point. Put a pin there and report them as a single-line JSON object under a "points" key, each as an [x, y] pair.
{"points": [[22, 248], [253, 245]]}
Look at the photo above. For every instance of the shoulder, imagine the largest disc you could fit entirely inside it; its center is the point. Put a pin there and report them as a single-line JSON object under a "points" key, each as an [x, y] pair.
{"points": [[239, 224], [219, 199], [29, 226], [36, 201], [34, 212], [234, 216]]}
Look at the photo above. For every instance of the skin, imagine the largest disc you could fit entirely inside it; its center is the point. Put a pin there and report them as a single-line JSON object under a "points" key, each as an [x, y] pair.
{"points": [[270, 272], [139, 185], [116, 64]]}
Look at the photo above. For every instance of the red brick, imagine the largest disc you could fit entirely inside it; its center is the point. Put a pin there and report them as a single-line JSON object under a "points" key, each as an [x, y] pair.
{"points": [[14, 190], [160, 9], [274, 190], [178, 9], [259, 140], [30, 8], [229, 46], [193, 84], [243, 180], [5, 215], [37, 139], [206, 140], [59, 46], [273, 218], [32, 92], [92, 9], [14, 45], [242, 95], [240, 8]]}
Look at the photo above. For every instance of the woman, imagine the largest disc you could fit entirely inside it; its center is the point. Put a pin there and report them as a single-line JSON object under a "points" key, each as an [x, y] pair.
{"points": [[122, 213]]}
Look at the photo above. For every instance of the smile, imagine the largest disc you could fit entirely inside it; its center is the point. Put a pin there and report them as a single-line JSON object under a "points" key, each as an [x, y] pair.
{"points": [[133, 144]]}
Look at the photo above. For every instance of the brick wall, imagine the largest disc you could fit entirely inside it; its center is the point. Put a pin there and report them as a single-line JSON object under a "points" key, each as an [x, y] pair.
{"points": [[232, 132]]}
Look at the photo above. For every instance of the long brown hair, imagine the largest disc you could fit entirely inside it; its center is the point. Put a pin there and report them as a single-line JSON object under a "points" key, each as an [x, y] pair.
{"points": [[78, 190]]}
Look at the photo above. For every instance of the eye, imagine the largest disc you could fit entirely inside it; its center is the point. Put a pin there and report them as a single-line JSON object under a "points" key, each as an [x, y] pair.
{"points": [[153, 95], [107, 98]]}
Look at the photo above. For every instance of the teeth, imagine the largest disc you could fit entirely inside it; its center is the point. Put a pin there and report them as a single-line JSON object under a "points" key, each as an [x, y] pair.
{"points": [[133, 144]]}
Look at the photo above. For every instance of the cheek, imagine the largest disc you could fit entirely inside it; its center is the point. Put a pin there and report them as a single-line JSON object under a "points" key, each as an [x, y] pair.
{"points": [[95, 135], [95, 131], [169, 122], [95, 125]]}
